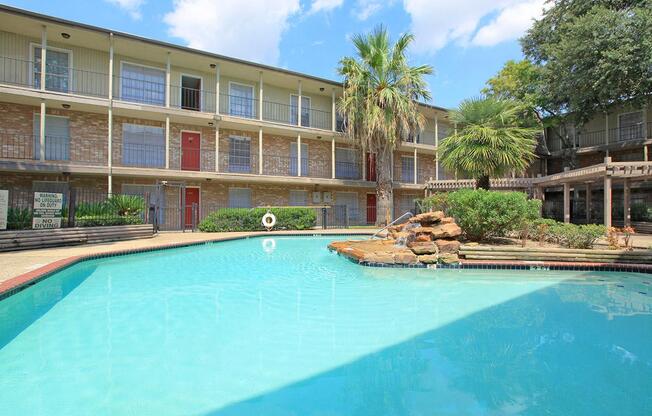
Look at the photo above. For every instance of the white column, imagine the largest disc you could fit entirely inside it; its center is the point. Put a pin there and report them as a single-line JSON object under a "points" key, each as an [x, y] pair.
{"points": [[299, 154], [217, 147], [299, 106], [167, 141], [416, 179], [44, 46], [333, 111], [333, 157], [587, 206], [607, 196], [626, 203], [167, 81], [391, 165], [260, 99], [110, 121], [437, 148], [260, 151], [217, 89], [567, 213], [364, 166], [645, 153]]}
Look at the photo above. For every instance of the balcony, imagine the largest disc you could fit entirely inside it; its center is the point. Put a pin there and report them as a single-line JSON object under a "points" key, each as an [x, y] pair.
{"points": [[348, 170], [73, 150], [405, 174], [585, 139], [288, 166]]}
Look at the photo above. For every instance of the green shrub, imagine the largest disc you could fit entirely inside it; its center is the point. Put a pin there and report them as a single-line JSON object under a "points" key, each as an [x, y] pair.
{"points": [[125, 205], [85, 209], [576, 236], [641, 212], [19, 218], [249, 219], [104, 220], [484, 214]]}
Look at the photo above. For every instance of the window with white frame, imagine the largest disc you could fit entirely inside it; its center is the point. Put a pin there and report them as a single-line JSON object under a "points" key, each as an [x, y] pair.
{"points": [[239, 154], [57, 69], [347, 163], [143, 146], [407, 169], [298, 198], [142, 84], [239, 198], [57, 137], [241, 100], [630, 126], [305, 110]]}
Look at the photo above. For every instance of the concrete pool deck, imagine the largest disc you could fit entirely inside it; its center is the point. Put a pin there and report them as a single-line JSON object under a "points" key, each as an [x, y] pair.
{"points": [[16, 263]]}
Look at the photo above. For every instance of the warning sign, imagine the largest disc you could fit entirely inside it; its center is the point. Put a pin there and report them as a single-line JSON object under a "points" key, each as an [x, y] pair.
{"points": [[47, 210]]}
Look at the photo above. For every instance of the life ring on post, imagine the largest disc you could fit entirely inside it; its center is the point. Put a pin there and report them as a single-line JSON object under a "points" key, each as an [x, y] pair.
{"points": [[269, 221]]}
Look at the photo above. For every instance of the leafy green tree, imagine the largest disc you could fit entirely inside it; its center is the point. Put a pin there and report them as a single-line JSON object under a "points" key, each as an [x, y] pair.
{"points": [[592, 54], [379, 104], [490, 140]]}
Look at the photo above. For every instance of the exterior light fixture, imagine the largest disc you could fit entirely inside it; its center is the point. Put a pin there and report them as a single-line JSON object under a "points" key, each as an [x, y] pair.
{"points": [[321, 89], [65, 35], [212, 66], [66, 106], [319, 137], [210, 123]]}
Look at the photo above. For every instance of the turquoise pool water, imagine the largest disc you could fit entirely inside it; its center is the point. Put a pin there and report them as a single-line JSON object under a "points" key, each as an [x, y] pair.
{"points": [[283, 327]]}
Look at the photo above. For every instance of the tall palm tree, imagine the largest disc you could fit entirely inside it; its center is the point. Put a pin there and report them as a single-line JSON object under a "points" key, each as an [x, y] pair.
{"points": [[490, 140], [379, 103]]}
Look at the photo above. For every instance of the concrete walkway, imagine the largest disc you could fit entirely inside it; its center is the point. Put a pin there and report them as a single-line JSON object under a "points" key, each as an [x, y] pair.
{"points": [[15, 263]]}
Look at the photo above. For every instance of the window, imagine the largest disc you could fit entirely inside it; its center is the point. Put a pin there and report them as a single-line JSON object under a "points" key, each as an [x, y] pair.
{"points": [[407, 169], [347, 165], [57, 138], [239, 154], [299, 198], [239, 198], [57, 69], [142, 84], [293, 159], [143, 146], [305, 110], [190, 93], [241, 100], [630, 126]]}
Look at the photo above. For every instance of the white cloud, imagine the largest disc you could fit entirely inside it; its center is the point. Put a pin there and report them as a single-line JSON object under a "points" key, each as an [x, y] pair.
{"points": [[435, 23], [130, 6], [366, 8], [511, 23], [324, 5], [250, 30]]}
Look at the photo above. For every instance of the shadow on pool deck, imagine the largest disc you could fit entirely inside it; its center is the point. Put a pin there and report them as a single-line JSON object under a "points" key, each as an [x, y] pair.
{"points": [[547, 352]]}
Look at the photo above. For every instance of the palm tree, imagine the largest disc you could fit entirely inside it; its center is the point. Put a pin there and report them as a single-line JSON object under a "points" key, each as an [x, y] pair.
{"points": [[490, 139], [380, 105]]}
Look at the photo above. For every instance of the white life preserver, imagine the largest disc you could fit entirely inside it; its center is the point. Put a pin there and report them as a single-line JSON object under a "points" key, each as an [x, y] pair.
{"points": [[269, 221]]}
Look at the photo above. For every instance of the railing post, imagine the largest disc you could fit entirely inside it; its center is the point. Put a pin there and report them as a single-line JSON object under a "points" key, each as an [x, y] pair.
{"points": [[415, 166], [217, 88], [260, 99], [217, 146], [323, 218], [260, 150], [299, 108], [167, 81], [333, 111], [299, 154], [72, 197], [333, 158], [167, 142]]}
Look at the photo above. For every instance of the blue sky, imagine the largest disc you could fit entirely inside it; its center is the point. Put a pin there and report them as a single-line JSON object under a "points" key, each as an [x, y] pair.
{"points": [[466, 41]]}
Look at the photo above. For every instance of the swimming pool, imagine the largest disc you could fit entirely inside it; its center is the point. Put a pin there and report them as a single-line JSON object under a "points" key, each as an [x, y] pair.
{"points": [[281, 326]]}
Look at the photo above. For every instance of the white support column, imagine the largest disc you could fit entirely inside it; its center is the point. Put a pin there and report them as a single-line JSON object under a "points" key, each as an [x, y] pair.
{"points": [[42, 132], [299, 106], [364, 166], [607, 197], [44, 48], [110, 121], [167, 141], [391, 165], [260, 151], [260, 102], [567, 213], [333, 111], [416, 179], [606, 131], [333, 157], [587, 202], [167, 82], [217, 90], [299, 154], [626, 203], [217, 147], [646, 156], [437, 148]]}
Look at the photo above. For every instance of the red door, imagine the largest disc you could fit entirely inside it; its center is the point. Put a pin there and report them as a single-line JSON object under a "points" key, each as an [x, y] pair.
{"points": [[190, 155], [192, 203], [371, 167], [371, 208]]}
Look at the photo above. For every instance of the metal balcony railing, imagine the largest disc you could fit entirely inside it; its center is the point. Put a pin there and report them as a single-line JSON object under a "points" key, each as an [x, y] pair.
{"points": [[348, 170], [288, 166], [140, 155], [406, 174], [192, 99], [238, 106], [239, 164], [140, 91], [202, 159], [599, 137], [57, 148]]}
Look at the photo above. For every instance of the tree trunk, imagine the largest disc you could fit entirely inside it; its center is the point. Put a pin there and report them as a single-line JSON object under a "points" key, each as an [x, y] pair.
{"points": [[384, 192], [483, 182]]}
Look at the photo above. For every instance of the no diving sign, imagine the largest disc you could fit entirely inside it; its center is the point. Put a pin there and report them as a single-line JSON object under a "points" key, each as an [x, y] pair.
{"points": [[47, 210]]}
